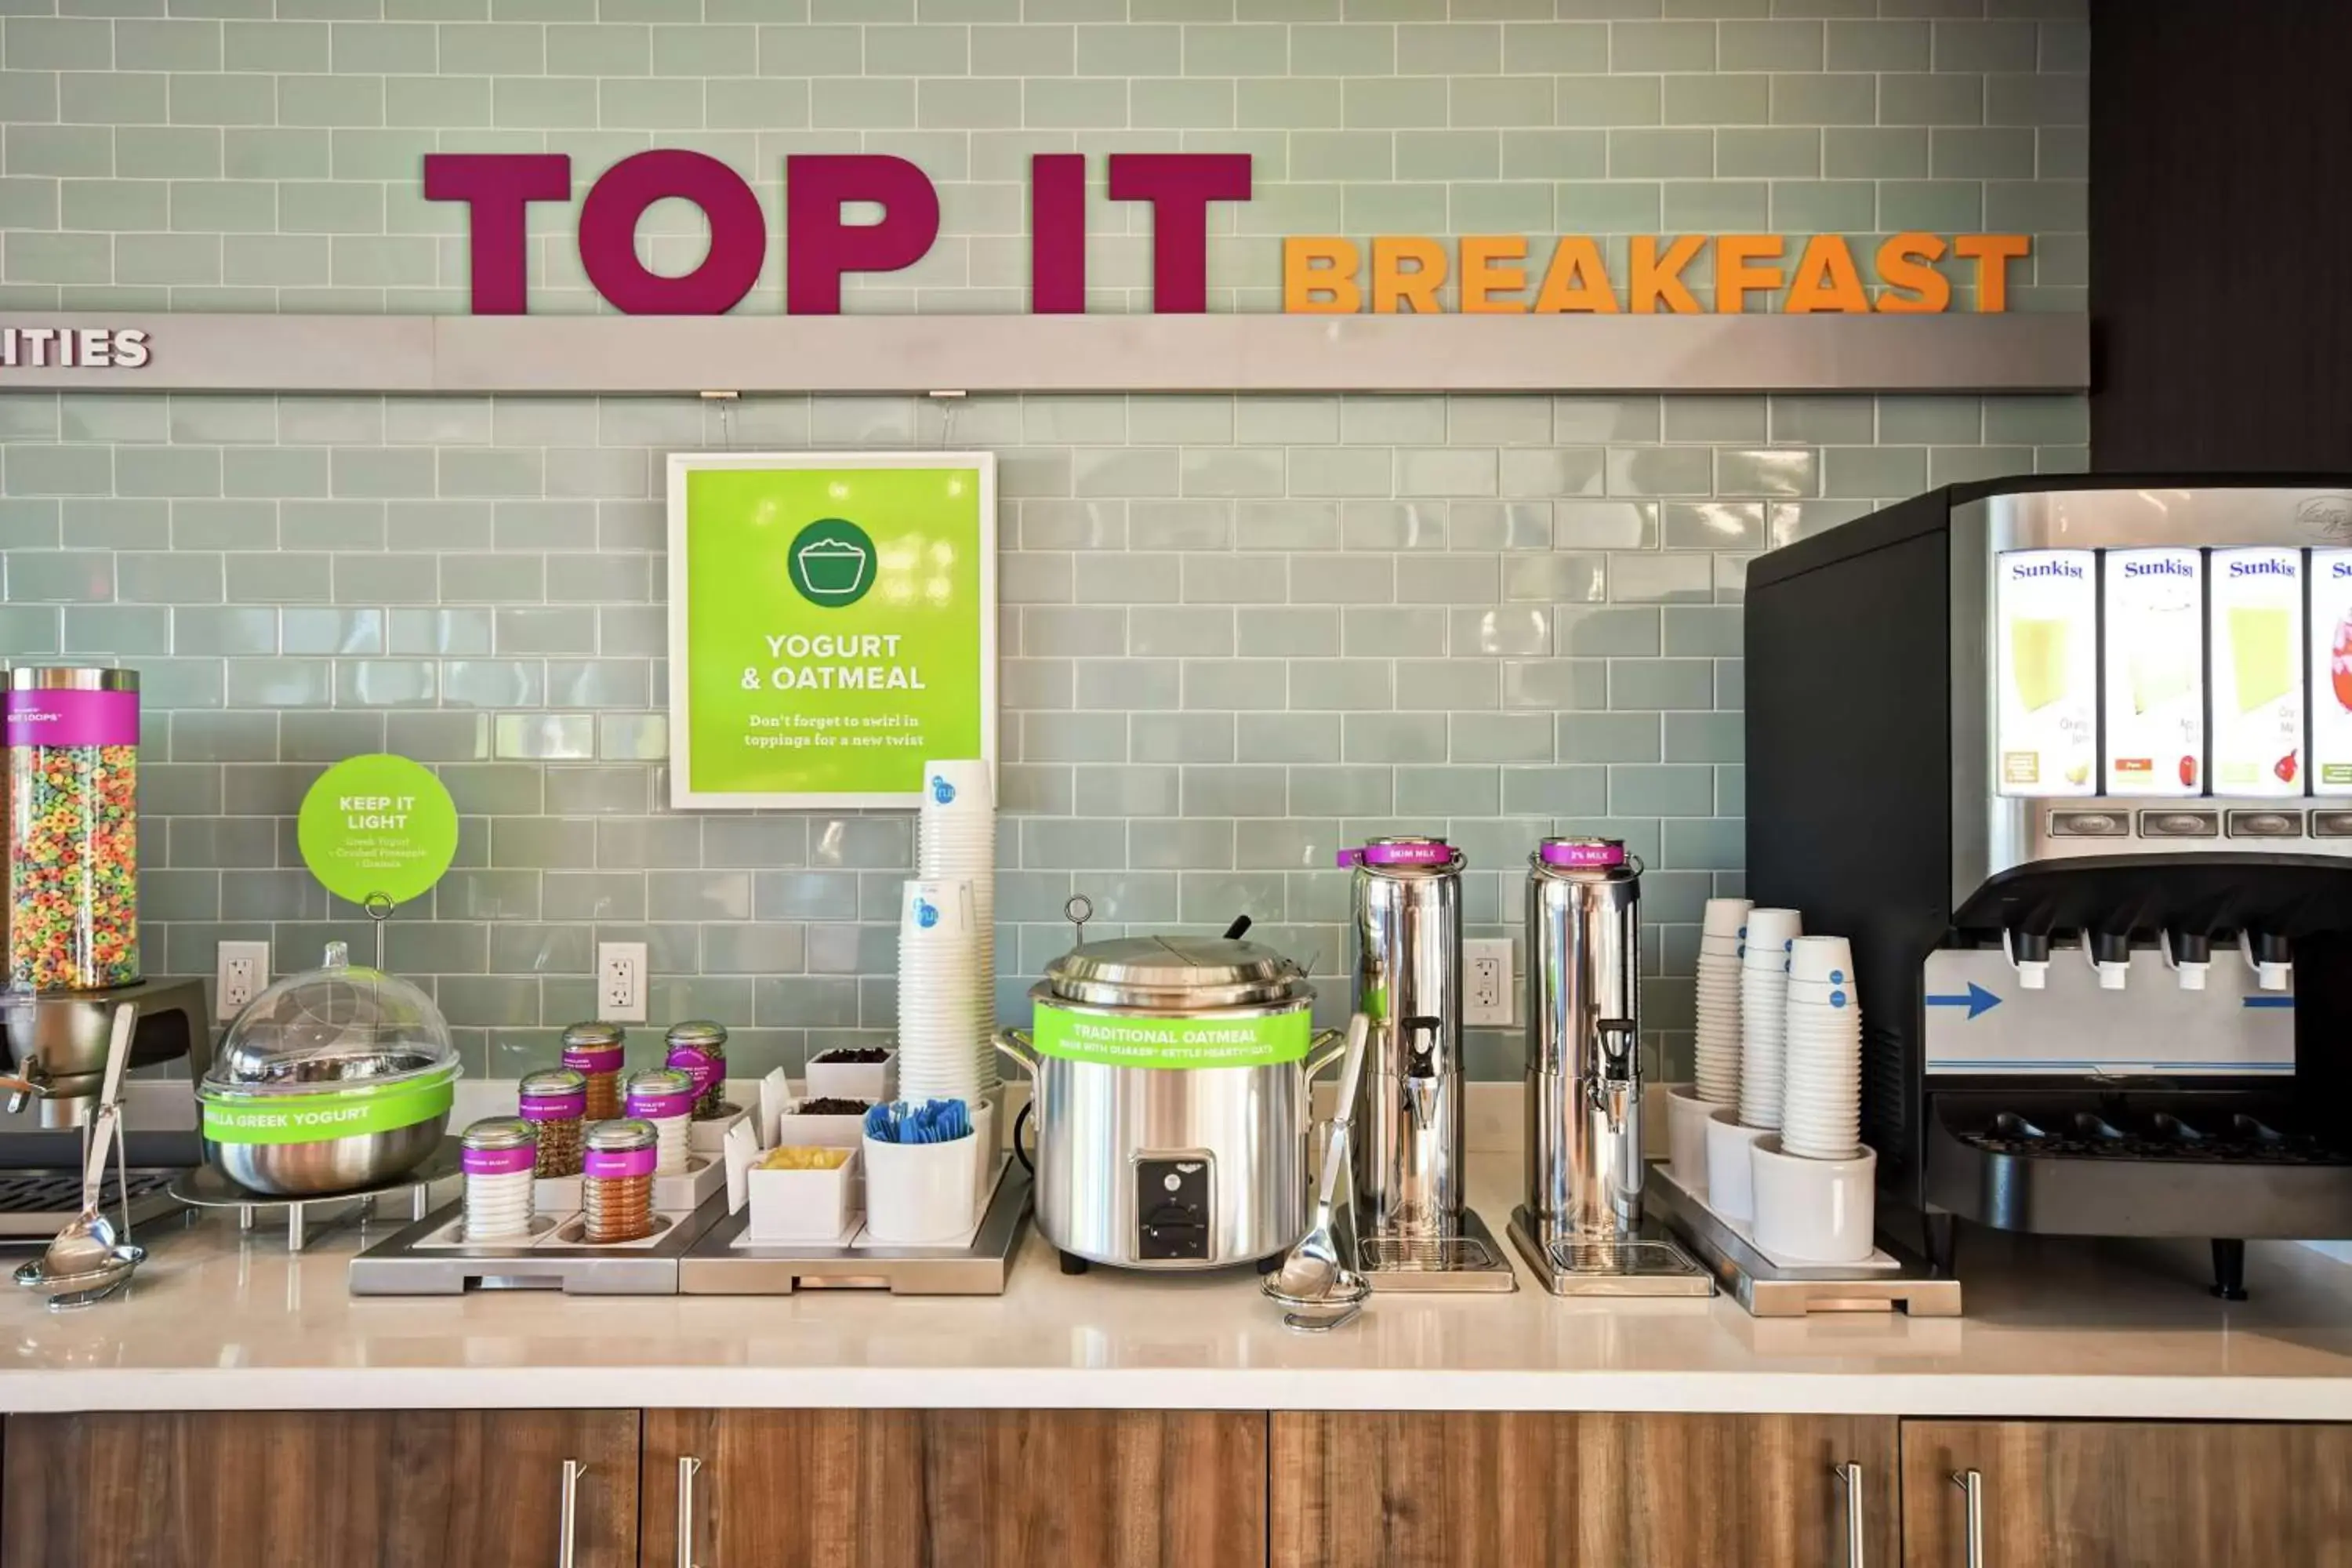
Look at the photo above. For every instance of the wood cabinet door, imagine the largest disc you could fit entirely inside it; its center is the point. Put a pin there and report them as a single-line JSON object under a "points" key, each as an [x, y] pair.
{"points": [[954, 1489], [427, 1489], [1577, 1490], [2130, 1494]]}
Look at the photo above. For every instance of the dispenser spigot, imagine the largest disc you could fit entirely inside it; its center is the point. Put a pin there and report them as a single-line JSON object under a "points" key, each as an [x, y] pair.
{"points": [[2189, 954], [2029, 954], [2270, 957], [2110, 954]]}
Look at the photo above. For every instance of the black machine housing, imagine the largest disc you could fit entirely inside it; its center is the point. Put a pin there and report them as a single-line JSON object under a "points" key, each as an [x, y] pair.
{"points": [[1853, 801]]}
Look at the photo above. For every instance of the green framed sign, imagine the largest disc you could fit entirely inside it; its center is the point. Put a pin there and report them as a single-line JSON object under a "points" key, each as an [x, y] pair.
{"points": [[831, 624]]}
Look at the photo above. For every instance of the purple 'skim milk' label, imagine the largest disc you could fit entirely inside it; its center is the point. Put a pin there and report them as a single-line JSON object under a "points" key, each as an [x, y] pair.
{"points": [[497, 1161], [610, 1165], [60, 717]]}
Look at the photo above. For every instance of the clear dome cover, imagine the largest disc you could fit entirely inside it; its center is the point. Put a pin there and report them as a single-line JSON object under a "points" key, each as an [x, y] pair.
{"points": [[337, 1026]]}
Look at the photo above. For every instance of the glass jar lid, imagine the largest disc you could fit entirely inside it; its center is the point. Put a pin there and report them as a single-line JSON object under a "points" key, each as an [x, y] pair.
{"points": [[696, 1032], [595, 1032], [1176, 973], [621, 1135], [499, 1133], [553, 1083], [340, 1027]]}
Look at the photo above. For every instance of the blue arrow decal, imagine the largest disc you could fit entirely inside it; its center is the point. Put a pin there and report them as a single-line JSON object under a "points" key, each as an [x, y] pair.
{"points": [[2270, 1001], [1975, 1000]]}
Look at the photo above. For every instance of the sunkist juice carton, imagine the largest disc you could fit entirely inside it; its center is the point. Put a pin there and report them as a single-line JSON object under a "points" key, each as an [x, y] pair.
{"points": [[2153, 629], [2331, 672], [2046, 657], [2256, 630]]}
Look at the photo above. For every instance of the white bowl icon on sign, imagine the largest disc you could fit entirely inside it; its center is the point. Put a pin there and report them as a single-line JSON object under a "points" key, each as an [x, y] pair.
{"points": [[833, 569]]}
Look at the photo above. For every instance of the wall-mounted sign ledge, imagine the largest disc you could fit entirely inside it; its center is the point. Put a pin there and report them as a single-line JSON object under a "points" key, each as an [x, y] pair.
{"points": [[1141, 353]]}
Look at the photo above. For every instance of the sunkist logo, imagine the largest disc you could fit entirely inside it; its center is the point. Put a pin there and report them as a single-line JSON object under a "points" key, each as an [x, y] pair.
{"points": [[2047, 569], [2158, 569], [2261, 569]]}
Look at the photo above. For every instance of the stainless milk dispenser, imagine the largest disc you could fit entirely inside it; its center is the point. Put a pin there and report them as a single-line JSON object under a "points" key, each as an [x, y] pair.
{"points": [[2070, 759], [1580, 1227], [1417, 1231]]}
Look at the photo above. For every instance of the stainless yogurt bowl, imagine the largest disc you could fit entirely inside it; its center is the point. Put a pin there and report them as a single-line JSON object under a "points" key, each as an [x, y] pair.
{"points": [[336, 1080]]}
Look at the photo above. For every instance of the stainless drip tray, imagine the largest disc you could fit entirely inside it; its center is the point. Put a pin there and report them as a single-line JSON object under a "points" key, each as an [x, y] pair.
{"points": [[1468, 1261], [1587, 1259], [35, 1203], [1423, 1255], [1571, 1265]]}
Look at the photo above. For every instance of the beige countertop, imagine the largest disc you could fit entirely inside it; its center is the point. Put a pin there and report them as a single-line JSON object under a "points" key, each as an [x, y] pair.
{"points": [[2052, 1328]]}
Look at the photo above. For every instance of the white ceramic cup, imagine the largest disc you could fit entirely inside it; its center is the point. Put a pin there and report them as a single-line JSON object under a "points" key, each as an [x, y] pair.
{"points": [[1822, 958], [920, 1192], [1727, 1182], [1823, 1211], [1687, 1119]]}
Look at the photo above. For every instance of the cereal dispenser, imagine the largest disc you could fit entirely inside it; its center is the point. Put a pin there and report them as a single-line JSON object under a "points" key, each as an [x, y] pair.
{"points": [[73, 829]]}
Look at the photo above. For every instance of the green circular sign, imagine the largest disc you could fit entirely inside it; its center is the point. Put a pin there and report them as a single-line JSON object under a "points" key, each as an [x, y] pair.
{"points": [[832, 562], [378, 825]]}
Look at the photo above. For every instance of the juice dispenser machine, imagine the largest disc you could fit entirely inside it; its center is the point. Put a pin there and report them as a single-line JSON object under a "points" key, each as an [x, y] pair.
{"points": [[2070, 758]]}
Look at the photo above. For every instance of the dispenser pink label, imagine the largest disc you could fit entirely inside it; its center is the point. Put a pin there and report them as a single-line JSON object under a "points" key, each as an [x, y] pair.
{"points": [[497, 1161], [612, 1165]]}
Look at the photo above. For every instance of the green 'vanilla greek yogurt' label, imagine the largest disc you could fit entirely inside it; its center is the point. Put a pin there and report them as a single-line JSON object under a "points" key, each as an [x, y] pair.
{"points": [[311, 1118], [1126, 1041]]}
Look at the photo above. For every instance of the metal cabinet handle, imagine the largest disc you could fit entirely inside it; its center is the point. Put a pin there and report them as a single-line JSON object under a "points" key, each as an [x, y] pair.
{"points": [[1971, 1484], [568, 1516], [1848, 1477], [688, 1467]]}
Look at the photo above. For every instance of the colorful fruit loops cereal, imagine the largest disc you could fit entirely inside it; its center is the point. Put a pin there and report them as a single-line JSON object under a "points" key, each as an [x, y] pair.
{"points": [[73, 856]]}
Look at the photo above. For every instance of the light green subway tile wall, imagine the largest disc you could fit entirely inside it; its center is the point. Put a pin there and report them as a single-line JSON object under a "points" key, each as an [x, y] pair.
{"points": [[1236, 633]]}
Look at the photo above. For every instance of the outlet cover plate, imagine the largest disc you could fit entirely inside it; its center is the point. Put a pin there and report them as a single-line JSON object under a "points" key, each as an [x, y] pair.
{"points": [[240, 971], [621, 981], [1488, 983]]}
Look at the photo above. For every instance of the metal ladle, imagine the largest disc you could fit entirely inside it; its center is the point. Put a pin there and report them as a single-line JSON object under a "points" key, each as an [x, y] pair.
{"points": [[1321, 1291], [88, 1261]]}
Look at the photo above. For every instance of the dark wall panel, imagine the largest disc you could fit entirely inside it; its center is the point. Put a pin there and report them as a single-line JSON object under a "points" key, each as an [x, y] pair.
{"points": [[2221, 233]]}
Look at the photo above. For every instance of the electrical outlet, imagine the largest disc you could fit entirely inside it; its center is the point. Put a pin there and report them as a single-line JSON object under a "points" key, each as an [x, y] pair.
{"points": [[1488, 998], [240, 969], [621, 981]]}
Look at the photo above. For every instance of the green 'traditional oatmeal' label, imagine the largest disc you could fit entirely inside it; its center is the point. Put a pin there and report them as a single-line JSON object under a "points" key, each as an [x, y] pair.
{"points": [[1136, 1042], [310, 1118]]}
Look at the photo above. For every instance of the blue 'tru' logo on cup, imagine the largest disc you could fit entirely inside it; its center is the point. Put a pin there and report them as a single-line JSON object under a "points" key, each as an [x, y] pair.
{"points": [[927, 914], [942, 790]]}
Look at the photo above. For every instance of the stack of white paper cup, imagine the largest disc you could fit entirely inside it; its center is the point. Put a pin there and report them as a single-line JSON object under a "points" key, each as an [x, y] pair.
{"points": [[955, 839], [1718, 1000], [1821, 1113], [938, 957], [1763, 1013]]}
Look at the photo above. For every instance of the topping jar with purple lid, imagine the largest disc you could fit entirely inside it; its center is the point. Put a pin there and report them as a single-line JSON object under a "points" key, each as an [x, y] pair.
{"points": [[616, 1188], [593, 1050], [664, 1097], [499, 1159], [555, 1100], [698, 1048]]}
